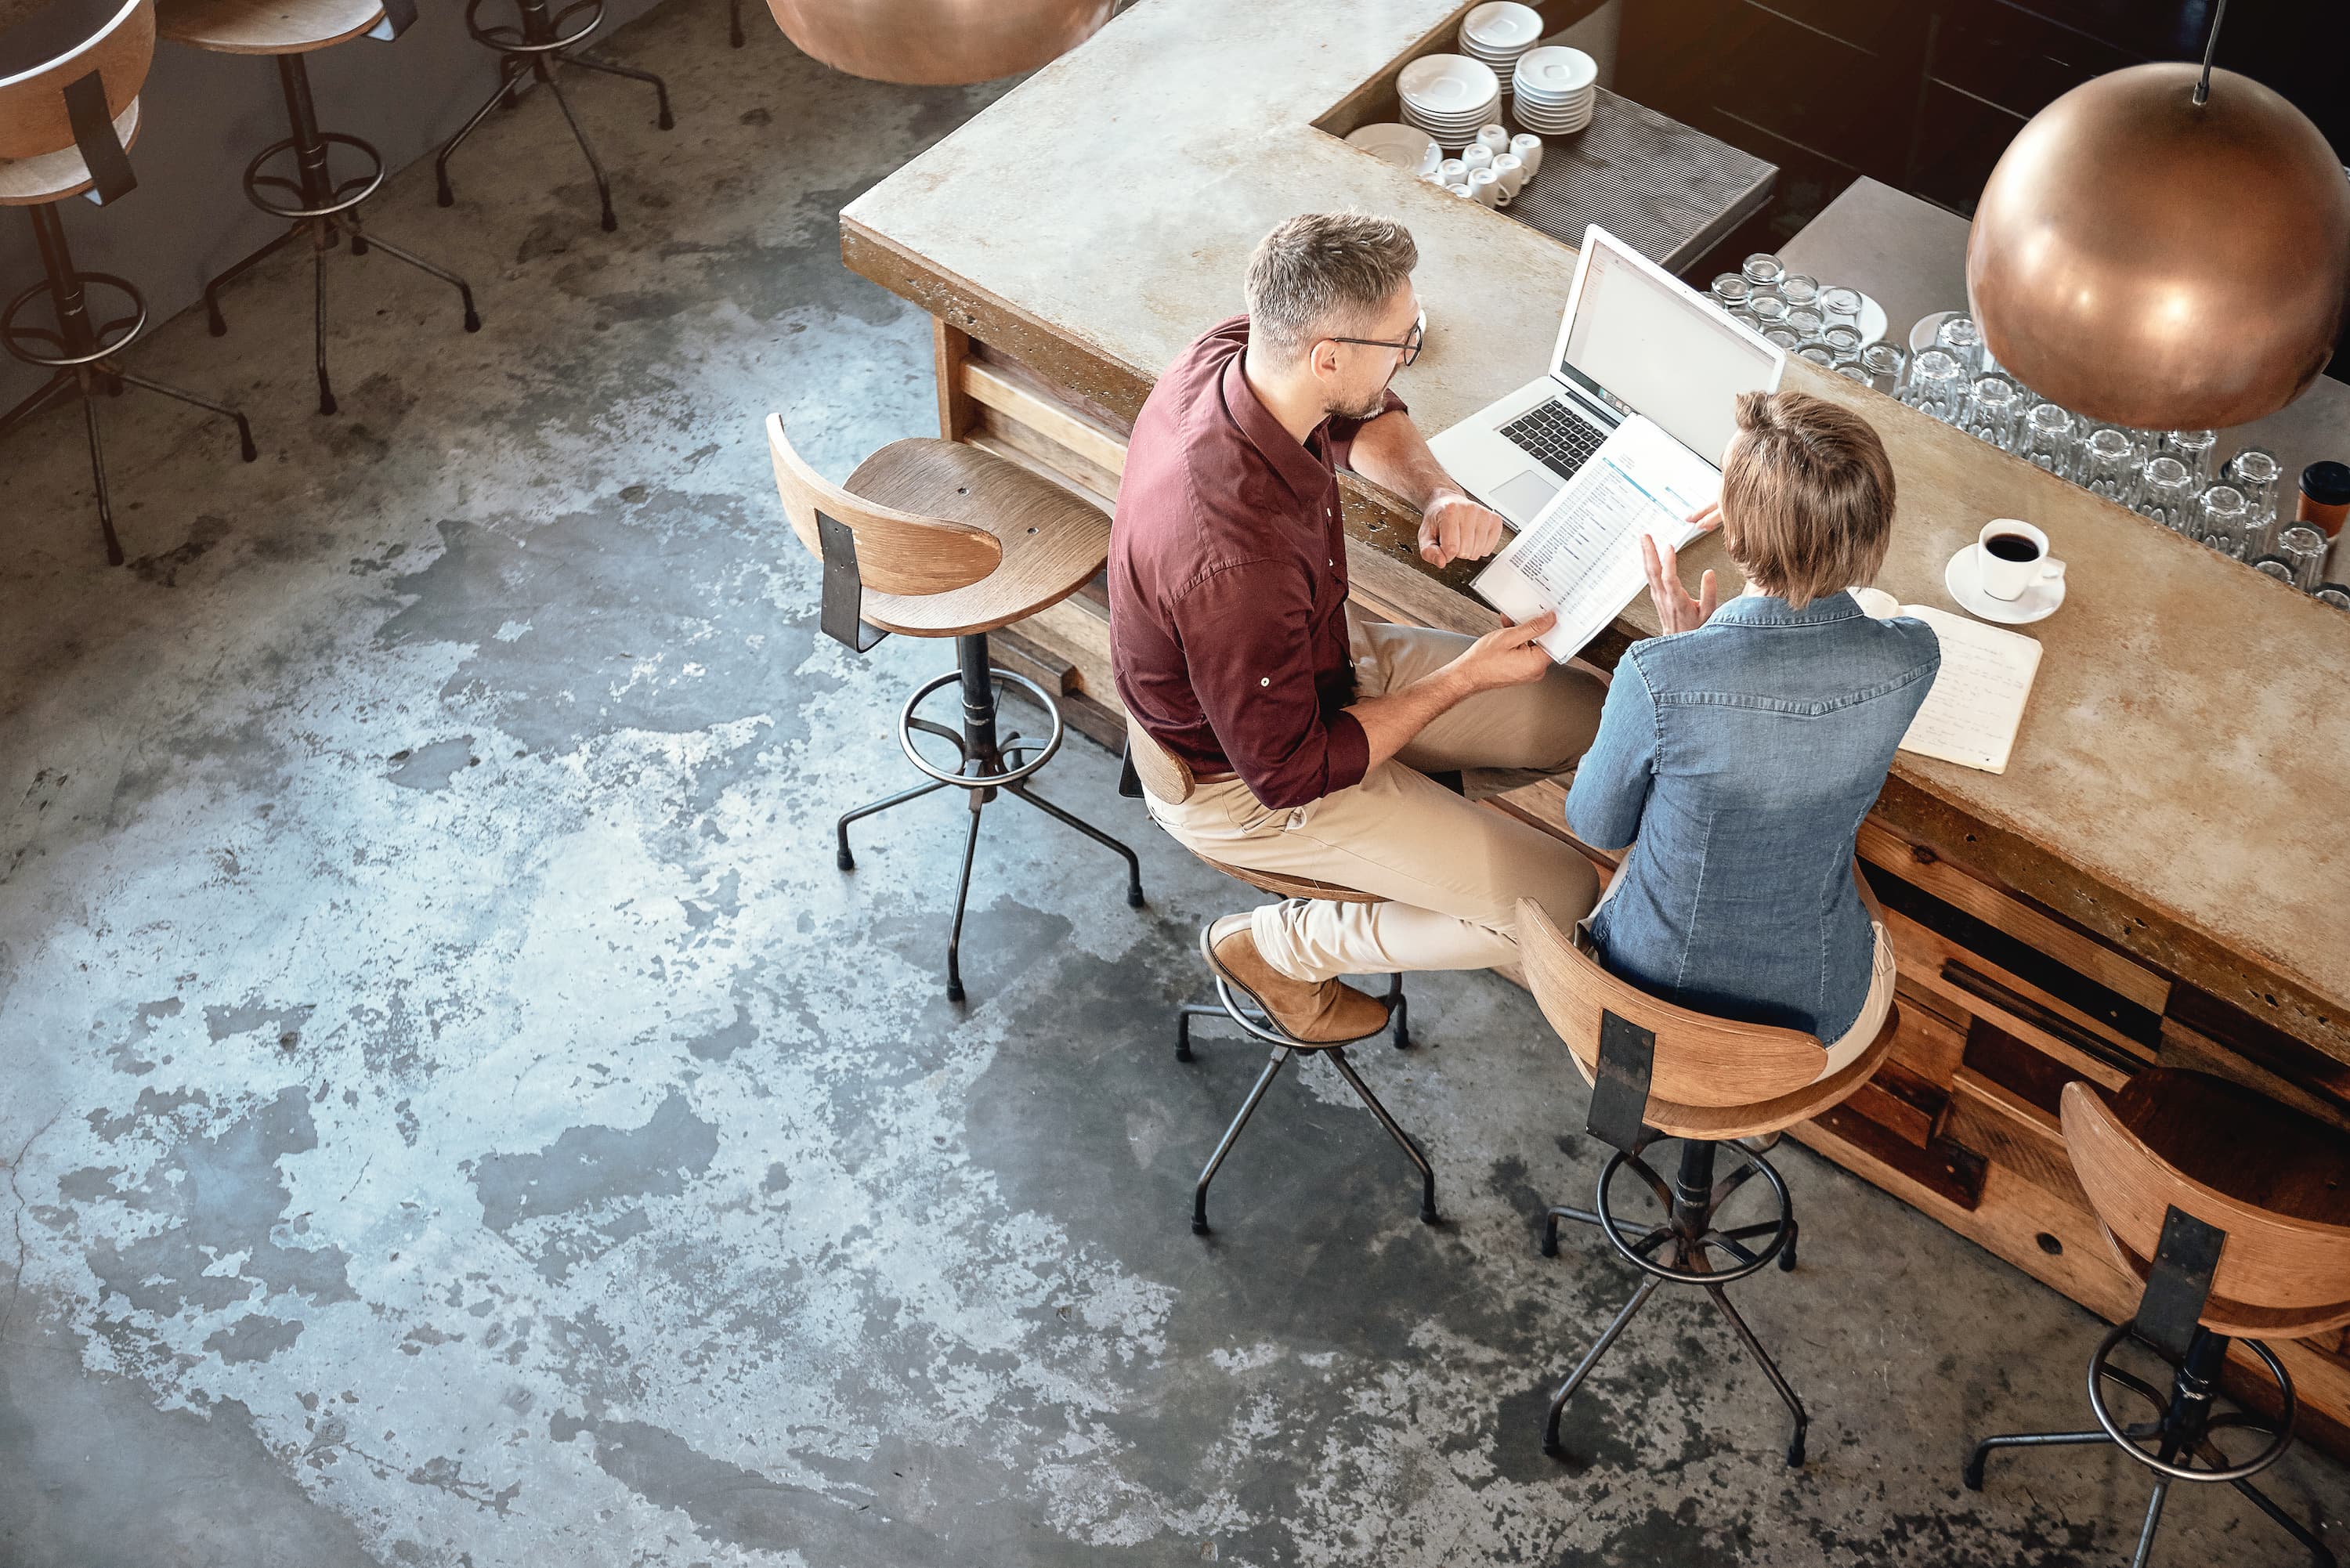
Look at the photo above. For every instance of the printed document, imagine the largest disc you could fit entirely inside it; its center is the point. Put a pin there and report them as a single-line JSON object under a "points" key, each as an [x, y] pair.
{"points": [[1581, 555]]}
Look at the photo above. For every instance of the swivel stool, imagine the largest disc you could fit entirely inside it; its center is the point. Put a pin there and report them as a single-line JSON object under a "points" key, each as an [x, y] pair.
{"points": [[1151, 769], [2232, 1208], [937, 538], [1658, 1072], [529, 51], [317, 201], [66, 128]]}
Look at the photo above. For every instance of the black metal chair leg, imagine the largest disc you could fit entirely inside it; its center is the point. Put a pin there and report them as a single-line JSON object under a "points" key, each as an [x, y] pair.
{"points": [[2153, 1520], [464, 290], [668, 121], [2320, 1554], [1771, 1370], [734, 23], [846, 861], [1183, 1016], [318, 322], [1973, 1474], [244, 429], [1403, 1139], [98, 474], [1133, 865], [217, 323], [962, 893], [508, 69], [1231, 1136], [1551, 1217], [1551, 1444], [595, 166], [1399, 1012]]}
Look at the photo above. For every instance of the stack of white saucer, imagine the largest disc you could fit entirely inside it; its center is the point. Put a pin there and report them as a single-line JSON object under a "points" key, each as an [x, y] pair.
{"points": [[1499, 32], [1555, 89], [1448, 97]]}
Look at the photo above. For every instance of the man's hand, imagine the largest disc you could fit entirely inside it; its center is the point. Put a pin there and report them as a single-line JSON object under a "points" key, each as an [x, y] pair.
{"points": [[1455, 528], [1508, 656], [1676, 611]]}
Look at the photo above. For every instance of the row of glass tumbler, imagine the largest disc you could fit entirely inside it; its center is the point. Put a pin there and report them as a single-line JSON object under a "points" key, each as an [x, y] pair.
{"points": [[2164, 475]]}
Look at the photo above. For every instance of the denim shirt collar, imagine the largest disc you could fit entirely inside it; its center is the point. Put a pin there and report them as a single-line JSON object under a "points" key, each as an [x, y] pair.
{"points": [[1769, 609]]}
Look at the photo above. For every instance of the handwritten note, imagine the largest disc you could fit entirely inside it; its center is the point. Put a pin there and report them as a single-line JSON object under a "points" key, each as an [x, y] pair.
{"points": [[1972, 716]]}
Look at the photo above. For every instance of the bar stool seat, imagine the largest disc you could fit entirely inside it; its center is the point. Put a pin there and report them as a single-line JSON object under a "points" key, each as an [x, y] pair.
{"points": [[1152, 770], [271, 27], [54, 176], [930, 539], [1659, 1070]]}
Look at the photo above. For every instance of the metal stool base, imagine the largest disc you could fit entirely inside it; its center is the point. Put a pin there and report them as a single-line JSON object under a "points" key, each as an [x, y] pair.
{"points": [[2181, 1432], [981, 773], [1691, 1202]]}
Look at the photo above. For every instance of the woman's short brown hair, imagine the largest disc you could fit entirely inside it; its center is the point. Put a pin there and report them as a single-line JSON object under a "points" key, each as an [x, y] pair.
{"points": [[1807, 497]]}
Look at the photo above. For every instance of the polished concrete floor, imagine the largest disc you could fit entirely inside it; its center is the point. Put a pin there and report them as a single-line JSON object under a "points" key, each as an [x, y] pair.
{"points": [[454, 1112]]}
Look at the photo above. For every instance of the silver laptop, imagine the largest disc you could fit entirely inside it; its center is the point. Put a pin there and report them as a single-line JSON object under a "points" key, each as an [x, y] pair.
{"points": [[1635, 340]]}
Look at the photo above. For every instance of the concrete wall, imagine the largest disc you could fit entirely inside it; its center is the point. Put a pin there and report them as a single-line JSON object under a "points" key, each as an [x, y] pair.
{"points": [[205, 115]]}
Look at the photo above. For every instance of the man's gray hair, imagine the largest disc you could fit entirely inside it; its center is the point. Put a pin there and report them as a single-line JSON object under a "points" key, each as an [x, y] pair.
{"points": [[1324, 275]]}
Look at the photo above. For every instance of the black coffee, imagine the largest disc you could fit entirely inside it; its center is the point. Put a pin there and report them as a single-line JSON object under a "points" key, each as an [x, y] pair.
{"points": [[2012, 547]]}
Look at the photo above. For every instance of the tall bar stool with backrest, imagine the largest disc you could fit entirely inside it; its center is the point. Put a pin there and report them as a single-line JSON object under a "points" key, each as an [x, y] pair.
{"points": [[1658, 1071], [307, 192], [936, 538], [70, 111], [2235, 1211], [529, 50], [1151, 768]]}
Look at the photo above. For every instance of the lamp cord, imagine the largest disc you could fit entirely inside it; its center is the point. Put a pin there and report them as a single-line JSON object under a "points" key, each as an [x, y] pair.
{"points": [[2210, 47]]}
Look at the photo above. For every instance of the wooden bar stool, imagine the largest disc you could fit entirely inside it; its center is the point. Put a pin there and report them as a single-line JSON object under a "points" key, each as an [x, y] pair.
{"points": [[529, 49], [1659, 1070], [2235, 1211], [315, 199], [935, 538], [70, 111], [1150, 768]]}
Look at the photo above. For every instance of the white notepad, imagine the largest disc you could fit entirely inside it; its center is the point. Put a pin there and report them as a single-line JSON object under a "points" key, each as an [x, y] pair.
{"points": [[1977, 704]]}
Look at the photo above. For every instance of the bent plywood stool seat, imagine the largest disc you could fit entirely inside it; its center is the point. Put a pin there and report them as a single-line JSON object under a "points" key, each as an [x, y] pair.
{"points": [[1153, 770], [933, 538], [314, 179], [1659, 1070], [68, 120], [2234, 1211]]}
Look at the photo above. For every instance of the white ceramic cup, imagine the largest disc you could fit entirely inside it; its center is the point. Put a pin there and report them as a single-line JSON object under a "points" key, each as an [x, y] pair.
{"points": [[1512, 173], [1529, 148], [1495, 138], [1486, 186], [1477, 155], [2004, 578], [1452, 171], [1463, 192]]}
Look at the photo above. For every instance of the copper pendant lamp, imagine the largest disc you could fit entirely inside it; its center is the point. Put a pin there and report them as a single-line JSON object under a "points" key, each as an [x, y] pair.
{"points": [[2164, 248], [937, 42]]}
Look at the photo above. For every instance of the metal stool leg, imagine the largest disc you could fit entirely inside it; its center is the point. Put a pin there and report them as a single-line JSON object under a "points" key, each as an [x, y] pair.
{"points": [[846, 861], [322, 243], [595, 167], [1183, 1016], [1403, 1139], [734, 23], [508, 69], [589, 62], [243, 430], [1399, 1011], [1231, 1136], [98, 473], [217, 323], [1133, 865], [36, 402], [2320, 1554], [464, 290], [1771, 1370], [1973, 1474], [963, 894], [1551, 1444], [2153, 1519]]}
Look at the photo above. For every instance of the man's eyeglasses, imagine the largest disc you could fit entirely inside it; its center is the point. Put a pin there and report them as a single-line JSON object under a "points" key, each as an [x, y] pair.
{"points": [[1410, 344]]}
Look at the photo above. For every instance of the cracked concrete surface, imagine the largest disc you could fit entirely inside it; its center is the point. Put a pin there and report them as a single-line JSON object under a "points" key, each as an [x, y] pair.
{"points": [[455, 1113]]}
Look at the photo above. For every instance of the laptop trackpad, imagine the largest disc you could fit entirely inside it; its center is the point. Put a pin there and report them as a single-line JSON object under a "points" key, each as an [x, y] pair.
{"points": [[1522, 499]]}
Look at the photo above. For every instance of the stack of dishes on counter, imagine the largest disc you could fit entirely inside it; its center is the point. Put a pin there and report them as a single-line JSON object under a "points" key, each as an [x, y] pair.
{"points": [[1448, 97], [1555, 89], [1499, 32], [1407, 146]]}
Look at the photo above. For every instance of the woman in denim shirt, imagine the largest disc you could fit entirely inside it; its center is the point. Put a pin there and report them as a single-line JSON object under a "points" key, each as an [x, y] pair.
{"points": [[1738, 753]]}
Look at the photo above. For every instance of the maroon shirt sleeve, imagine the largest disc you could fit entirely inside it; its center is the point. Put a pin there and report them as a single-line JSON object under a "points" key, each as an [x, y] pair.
{"points": [[1341, 433], [1246, 635]]}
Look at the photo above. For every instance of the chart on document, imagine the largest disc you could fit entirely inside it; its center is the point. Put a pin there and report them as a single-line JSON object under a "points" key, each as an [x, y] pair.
{"points": [[1581, 555]]}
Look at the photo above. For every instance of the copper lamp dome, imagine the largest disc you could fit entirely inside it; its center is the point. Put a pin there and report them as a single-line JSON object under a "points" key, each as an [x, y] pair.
{"points": [[2153, 255]]}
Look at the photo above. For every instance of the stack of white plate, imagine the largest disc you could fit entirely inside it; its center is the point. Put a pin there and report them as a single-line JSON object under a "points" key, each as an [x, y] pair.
{"points": [[1407, 146], [1448, 97], [1555, 89], [1499, 32]]}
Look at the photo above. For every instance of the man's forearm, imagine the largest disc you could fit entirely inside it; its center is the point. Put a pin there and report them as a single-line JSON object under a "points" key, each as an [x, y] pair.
{"points": [[1390, 452], [1391, 722]]}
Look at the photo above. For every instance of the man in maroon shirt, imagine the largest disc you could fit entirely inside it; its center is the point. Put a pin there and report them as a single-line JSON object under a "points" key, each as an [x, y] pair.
{"points": [[1311, 731]]}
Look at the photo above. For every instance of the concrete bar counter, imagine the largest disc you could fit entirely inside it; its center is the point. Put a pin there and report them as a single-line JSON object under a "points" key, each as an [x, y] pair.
{"points": [[2159, 876]]}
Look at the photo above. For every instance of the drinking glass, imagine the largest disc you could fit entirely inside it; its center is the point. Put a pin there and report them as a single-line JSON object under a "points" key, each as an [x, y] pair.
{"points": [[1843, 341], [1770, 310], [2334, 594], [2051, 440], [2276, 566], [2193, 448], [2255, 471], [1938, 385], [2167, 495], [2223, 515], [2226, 544], [1852, 370], [1841, 306], [1886, 364], [1745, 317], [1779, 338], [1799, 288], [1764, 270], [1994, 412], [2303, 549], [1817, 353], [1731, 291], [2110, 465], [1962, 339], [1804, 321]]}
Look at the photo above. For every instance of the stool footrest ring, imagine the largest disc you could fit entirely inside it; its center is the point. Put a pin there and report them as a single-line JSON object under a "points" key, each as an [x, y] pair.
{"points": [[1780, 1229], [111, 338], [343, 194], [907, 724], [2126, 1438]]}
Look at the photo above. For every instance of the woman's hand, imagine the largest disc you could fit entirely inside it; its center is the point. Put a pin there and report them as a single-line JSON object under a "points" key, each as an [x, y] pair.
{"points": [[1676, 611]]}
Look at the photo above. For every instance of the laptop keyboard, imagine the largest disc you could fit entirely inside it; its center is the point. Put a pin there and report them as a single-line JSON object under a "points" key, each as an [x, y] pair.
{"points": [[1556, 436]]}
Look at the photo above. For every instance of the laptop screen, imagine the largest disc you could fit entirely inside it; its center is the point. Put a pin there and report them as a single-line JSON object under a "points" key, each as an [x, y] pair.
{"points": [[1656, 347]]}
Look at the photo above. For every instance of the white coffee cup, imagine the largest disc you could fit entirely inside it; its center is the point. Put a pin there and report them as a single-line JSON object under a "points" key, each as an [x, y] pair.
{"points": [[2022, 560], [1493, 139], [1512, 173], [1486, 186], [1453, 172], [1529, 148], [1477, 155], [1462, 192]]}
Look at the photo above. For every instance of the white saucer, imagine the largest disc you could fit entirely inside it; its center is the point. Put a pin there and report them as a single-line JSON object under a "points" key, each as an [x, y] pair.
{"points": [[2037, 602]]}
